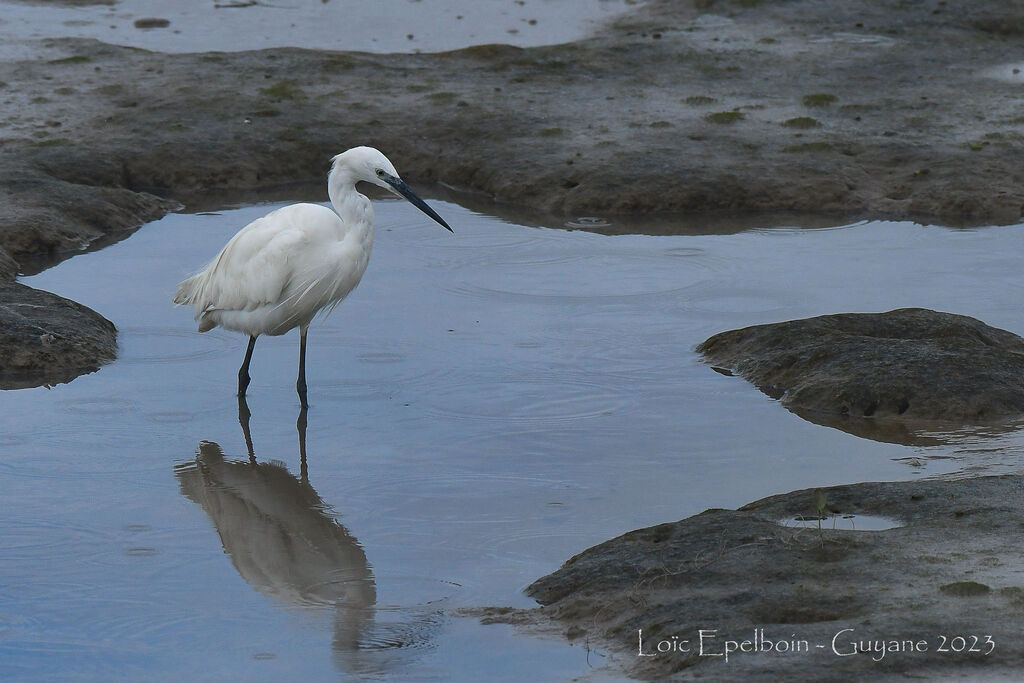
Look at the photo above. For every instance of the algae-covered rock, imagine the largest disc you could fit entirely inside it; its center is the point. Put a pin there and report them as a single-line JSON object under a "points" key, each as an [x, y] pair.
{"points": [[47, 339], [907, 365]]}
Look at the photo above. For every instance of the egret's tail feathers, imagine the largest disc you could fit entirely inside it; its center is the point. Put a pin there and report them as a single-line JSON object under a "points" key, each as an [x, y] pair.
{"points": [[189, 294], [187, 290]]}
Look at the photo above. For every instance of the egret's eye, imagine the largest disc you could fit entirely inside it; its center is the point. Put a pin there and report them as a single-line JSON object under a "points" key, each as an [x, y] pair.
{"points": [[380, 172]]}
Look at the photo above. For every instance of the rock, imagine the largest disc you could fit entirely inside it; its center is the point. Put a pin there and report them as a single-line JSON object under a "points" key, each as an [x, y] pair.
{"points": [[45, 219], [8, 266], [738, 575], [907, 367], [47, 339], [44, 338]]}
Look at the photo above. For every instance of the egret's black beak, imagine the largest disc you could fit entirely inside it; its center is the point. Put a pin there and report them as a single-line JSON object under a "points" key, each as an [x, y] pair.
{"points": [[405, 191]]}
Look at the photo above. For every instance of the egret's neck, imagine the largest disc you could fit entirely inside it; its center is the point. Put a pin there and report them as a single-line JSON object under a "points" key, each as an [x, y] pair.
{"points": [[355, 209]]}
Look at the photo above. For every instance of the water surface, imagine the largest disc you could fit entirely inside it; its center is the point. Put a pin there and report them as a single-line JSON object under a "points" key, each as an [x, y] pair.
{"points": [[484, 406], [235, 25]]}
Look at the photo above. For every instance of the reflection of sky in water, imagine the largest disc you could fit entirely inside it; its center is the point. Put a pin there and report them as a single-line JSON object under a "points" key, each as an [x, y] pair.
{"points": [[485, 405], [378, 26]]}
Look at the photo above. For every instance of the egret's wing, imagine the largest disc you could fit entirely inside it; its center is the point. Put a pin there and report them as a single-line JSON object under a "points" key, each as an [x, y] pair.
{"points": [[253, 268], [256, 266]]}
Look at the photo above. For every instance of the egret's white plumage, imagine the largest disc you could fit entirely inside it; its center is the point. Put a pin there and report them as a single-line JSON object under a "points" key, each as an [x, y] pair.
{"points": [[280, 270], [283, 269]]}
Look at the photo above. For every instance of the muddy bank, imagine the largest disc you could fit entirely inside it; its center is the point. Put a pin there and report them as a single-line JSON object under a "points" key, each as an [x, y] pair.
{"points": [[47, 219], [947, 572], [697, 108], [856, 109]]}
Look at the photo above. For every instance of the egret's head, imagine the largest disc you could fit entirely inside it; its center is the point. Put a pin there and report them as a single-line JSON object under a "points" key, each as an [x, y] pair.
{"points": [[366, 164], [370, 165]]}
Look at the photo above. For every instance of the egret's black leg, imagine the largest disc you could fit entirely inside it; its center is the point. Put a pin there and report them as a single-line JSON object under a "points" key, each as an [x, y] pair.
{"points": [[300, 425], [300, 384], [243, 419], [243, 372]]}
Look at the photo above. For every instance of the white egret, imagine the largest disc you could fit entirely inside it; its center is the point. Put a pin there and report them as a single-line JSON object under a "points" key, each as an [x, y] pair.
{"points": [[279, 271]]}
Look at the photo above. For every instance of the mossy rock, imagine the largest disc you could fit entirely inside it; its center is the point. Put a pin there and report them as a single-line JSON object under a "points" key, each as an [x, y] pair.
{"points": [[724, 117], [802, 122], [819, 99], [964, 588]]}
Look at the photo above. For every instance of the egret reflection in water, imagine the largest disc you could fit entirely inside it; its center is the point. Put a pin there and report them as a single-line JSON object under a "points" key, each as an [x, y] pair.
{"points": [[283, 540]]}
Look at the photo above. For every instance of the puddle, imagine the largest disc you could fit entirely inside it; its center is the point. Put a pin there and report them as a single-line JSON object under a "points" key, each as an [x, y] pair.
{"points": [[1012, 72], [380, 26], [484, 406], [842, 522]]}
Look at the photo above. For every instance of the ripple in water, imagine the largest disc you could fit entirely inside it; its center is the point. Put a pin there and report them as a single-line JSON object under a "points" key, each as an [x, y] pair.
{"points": [[635, 350], [11, 440], [93, 435], [686, 252], [538, 545], [381, 357], [99, 406], [492, 236], [149, 345], [172, 417], [530, 248], [413, 500], [11, 624], [526, 401], [385, 376], [607, 269], [716, 298], [397, 631], [460, 481], [26, 541], [397, 592]]}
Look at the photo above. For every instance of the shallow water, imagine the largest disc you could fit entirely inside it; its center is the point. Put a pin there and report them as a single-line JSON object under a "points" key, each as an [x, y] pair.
{"points": [[485, 405], [841, 522], [235, 25]]}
